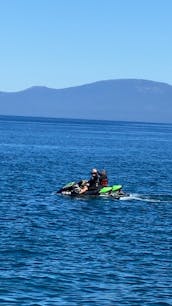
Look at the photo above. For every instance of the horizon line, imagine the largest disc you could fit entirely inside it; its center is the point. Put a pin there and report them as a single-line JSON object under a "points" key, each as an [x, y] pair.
{"points": [[20, 118]]}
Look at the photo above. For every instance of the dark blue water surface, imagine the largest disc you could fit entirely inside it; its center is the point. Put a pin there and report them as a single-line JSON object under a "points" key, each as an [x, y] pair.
{"points": [[55, 250]]}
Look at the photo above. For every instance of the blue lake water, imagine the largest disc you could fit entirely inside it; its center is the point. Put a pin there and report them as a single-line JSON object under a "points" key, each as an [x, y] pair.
{"points": [[57, 250]]}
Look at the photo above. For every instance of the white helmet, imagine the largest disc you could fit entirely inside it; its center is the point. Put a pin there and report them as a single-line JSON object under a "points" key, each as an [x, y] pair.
{"points": [[94, 171]]}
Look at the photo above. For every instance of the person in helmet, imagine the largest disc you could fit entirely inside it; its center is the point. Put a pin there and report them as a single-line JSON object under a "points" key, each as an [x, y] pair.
{"points": [[93, 183], [90, 187]]}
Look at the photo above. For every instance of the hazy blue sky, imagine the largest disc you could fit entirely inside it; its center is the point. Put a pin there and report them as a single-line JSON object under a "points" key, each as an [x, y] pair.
{"points": [[61, 43]]}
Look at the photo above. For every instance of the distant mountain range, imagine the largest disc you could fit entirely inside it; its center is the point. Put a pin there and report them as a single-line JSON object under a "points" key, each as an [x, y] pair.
{"points": [[122, 100]]}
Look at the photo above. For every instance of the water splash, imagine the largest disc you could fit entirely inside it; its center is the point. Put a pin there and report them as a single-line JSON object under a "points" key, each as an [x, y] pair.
{"points": [[148, 198]]}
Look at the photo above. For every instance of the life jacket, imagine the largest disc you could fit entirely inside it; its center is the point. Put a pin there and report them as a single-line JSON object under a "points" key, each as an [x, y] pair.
{"points": [[93, 183], [103, 180]]}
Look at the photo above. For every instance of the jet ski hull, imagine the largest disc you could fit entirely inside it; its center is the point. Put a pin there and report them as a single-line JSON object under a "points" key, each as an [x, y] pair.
{"points": [[114, 191]]}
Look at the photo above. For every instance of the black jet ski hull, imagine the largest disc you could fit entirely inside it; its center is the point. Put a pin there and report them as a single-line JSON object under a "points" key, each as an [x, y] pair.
{"points": [[114, 191]]}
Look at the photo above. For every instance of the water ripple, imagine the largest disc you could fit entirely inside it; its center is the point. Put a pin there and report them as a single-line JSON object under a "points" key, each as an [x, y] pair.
{"points": [[65, 251]]}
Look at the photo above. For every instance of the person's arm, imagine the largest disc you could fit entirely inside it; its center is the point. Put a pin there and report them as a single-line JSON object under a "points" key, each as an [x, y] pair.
{"points": [[84, 189]]}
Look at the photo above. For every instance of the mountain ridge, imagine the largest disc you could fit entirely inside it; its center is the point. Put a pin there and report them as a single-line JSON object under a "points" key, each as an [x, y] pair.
{"points": [[34, 87], [120, 99]]}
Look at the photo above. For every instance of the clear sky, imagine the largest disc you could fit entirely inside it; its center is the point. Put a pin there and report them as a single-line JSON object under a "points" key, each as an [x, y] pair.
{"points": [[63, 43]]}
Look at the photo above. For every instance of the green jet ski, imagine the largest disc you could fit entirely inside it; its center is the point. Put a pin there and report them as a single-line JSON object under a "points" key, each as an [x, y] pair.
{"points": [[75, 189]]}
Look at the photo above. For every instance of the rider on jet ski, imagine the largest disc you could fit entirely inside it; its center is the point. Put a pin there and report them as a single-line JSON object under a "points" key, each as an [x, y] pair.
{"points": [[96, 182]]}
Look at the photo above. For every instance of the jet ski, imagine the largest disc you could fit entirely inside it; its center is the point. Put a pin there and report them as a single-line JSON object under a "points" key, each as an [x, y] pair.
{"points": [[74, 189]]}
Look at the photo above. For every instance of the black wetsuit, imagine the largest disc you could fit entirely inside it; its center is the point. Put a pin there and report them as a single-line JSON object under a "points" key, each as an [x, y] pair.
{"points": [[93, 187]]}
